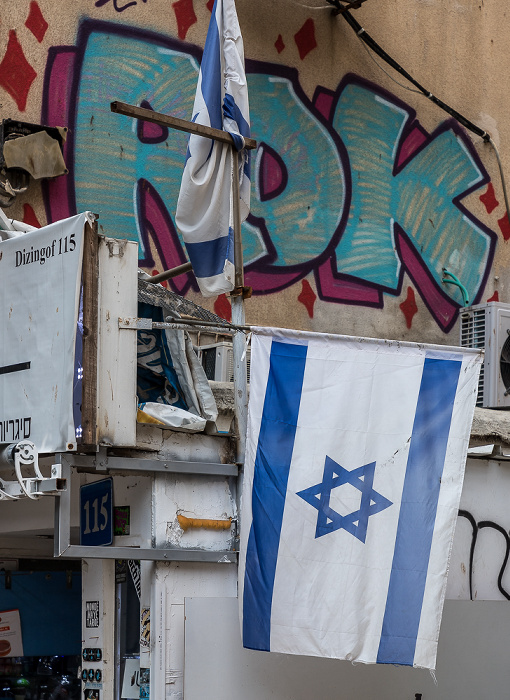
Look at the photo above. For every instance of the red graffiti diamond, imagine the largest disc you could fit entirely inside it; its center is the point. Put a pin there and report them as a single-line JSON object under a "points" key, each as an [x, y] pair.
{"points": [[307, 297], [16, 73], [409, 307], [494, 297], [222, 307], [489, 199], [36, 22], [30, 217], [278, 44], [305, 38], [185, 16], [503, 224], [156, 272], [323, 100]]}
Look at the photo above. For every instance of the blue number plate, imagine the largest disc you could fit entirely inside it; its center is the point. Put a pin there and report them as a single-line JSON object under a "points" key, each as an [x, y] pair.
{"points": [[96, 513]]}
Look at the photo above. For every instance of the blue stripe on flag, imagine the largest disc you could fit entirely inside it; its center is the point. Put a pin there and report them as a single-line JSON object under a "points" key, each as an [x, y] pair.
{"points": [[232, 111], [208, 257], [210, 68], [271, 473], [418, 511]]}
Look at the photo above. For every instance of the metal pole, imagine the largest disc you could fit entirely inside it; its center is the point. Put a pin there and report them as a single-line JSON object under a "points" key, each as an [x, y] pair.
{"points": [[240, 377], [169, 274], [62, 538], [117, 641], [238, 242], [238, 319]]}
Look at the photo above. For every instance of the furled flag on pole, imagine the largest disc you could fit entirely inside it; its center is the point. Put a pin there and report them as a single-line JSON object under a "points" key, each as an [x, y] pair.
{"points": [[354, 467], [204, 212]]}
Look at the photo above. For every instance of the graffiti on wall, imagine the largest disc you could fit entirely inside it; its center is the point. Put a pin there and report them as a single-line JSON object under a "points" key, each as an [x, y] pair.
{"points": [[505, 550], [348, 186], [118, 7]]}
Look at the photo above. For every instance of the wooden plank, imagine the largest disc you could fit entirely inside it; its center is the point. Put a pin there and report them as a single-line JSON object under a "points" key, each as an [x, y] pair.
{"points": [[175, 123], [116, 366], [90, 335]]}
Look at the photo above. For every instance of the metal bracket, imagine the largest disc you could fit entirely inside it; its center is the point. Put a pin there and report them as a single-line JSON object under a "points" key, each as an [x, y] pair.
{"points": [[146, 324], [103, 462], [62, 542], [23, 455], [136, 324]]}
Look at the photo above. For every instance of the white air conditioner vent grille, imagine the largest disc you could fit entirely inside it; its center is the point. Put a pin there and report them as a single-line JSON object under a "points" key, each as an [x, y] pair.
{"points": [[218, 361], [472, 335], [473, 329]]}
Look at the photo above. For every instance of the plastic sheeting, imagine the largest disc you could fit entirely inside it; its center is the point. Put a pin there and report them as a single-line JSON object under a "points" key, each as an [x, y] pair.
{"points": [[38, 154], [172, 386]]}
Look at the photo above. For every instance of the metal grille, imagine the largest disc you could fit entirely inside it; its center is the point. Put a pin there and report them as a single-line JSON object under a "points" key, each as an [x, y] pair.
{"points": [[209, 363], [231, 365], [472, 335], [157, 295]]}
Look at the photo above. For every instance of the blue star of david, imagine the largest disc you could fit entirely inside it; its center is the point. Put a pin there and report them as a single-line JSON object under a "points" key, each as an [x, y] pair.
{"points": [[328, 520]]}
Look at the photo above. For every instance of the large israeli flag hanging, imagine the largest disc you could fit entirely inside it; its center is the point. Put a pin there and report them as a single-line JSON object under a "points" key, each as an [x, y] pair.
{"points": [[204, 212], [354, 468]]}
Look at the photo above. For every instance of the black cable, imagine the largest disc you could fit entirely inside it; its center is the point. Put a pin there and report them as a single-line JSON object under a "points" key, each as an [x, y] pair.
{"points": [[372, 44]]}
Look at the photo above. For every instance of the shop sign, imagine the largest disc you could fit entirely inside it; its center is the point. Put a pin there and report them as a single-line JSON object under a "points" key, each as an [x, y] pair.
{"points": [[11, 643], [40, 274]]}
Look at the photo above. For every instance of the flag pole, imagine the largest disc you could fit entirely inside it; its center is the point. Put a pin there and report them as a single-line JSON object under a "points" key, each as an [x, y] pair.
{"points": [[238, 319], [240, 292]]}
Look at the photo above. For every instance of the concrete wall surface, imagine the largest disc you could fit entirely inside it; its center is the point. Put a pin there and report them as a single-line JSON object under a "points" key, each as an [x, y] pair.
{"points": [[362, 189]]}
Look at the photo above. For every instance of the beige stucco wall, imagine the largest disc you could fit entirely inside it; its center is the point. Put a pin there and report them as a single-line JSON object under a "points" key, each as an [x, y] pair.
{"points": [[457, 50]]}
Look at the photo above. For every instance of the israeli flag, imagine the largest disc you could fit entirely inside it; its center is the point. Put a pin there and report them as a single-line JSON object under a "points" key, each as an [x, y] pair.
{"points": [[353, 475], [204, 212]]}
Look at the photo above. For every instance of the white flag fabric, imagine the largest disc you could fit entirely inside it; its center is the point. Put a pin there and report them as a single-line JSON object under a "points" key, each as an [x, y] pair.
{"points": [[204, 212], [353, 474]]}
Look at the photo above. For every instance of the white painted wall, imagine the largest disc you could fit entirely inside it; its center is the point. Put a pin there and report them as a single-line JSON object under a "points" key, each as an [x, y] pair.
{"points": [[197, 497], [472, 662], [485, 499]]}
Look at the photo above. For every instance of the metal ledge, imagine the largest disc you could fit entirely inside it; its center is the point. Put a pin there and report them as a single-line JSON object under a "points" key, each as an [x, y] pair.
{"points": [[75, 551], [63, 548], [101, 462]]}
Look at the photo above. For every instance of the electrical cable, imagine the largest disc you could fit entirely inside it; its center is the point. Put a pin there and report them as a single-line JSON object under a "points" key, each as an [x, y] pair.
{"points": [[308, 7], [503, 183], [343, 8], [369, 42], [372, 44], [405, 87]]}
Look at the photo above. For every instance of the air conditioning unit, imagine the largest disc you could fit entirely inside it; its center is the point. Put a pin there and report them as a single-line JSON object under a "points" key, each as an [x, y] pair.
{"points": [[487, 326], [218, 361]]}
